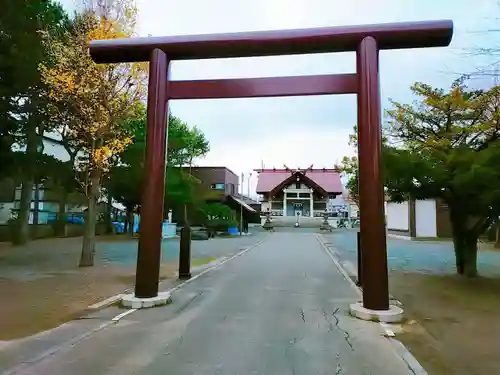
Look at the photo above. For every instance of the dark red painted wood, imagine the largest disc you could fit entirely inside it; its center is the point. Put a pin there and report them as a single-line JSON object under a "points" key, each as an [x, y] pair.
{"points": [[360, 260], [150, 227], [371, 193], [264, 87], [278, 42], [366, 40]]}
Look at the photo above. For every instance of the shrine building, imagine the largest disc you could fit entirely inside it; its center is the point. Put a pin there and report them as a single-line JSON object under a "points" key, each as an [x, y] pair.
{"points": [[297, 192]]}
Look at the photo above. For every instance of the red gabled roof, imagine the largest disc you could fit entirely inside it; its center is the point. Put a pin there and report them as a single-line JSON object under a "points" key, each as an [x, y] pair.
{"points": [[328, 179], [298, 177]]}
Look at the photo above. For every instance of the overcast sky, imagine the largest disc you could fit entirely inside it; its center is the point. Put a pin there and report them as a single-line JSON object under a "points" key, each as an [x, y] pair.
{"points": [[301, 131]]}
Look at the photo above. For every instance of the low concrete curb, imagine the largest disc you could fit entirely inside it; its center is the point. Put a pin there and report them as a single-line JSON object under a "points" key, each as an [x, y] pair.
{"points": [[399, 347], [118, 297], [399, 237], [55, 349], [410, 360], [198, 269], [107, 302]]}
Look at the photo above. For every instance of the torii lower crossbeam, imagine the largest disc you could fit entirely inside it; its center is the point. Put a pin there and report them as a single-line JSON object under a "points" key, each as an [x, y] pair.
{"points": [[264, 87]]}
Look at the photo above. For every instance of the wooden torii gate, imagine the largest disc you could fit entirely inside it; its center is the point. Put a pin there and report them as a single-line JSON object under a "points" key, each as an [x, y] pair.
{"points": [[366, 40]]}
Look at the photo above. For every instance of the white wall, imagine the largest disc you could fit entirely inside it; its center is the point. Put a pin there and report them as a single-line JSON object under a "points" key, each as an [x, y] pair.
{"points": [[55, 149], [398, 216], [264, 206], [354, 210], [5, 211], [337, 201], [51, 147], [293, 187], [425, 217]]}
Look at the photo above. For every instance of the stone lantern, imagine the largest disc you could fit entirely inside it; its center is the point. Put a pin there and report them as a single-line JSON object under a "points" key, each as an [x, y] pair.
{"points": [[325, 225], [268, 225]]}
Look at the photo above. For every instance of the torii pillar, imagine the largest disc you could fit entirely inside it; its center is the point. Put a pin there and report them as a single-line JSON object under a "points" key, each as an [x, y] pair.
{"points": [[365, 40]]}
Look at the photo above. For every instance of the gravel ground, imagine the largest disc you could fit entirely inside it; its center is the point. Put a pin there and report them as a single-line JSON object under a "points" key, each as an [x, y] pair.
{"points": [[441, 307], [125, 252], [417, 256], [45, 287]]}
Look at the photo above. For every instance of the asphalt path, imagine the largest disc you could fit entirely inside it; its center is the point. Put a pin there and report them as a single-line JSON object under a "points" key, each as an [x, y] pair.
{"points": [[280, 308]]}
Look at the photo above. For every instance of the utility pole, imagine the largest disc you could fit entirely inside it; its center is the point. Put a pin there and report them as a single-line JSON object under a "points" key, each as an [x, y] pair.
{"points": [[349, 214], [241, 206], [248, 184]]}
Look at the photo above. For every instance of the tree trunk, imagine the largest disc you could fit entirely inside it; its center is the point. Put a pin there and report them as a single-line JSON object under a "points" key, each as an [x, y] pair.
{"points": [[130, 219], [470, 256], [22, 228], [88, 246], [21, 235], [61, 215], [36, 204], [459, 254], [108, 218], [186, 220], [464, 244], [126, 223], [497, 232]]}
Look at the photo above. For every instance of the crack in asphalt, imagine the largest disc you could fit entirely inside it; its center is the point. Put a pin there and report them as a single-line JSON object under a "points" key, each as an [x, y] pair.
{"points": [[302, 315], [185, 306], [339, 368], [269, 289], [347, 337], [291, 343]]}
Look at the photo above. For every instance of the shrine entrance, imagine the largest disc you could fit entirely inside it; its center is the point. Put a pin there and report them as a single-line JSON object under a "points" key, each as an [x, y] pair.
{"points": [[366, 41]]}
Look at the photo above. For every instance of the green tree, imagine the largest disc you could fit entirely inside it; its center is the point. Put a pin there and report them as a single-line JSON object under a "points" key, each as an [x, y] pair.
{"points": [[185, 144], [449, 150], [21, 105], [61, 181], [181, 194], [219, 217], [219, 211], [125, 179], [349, 167]]}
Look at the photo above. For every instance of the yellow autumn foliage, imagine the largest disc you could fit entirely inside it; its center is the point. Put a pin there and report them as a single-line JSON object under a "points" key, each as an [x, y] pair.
{"points": [[445, 119], [91, 100]]}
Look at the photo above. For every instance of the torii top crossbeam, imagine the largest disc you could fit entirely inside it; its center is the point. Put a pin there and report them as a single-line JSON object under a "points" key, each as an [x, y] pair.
{"points": [[279, 42]]}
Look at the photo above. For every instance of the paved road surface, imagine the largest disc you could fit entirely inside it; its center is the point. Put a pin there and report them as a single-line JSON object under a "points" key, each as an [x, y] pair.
{"points": [[278, 309]]}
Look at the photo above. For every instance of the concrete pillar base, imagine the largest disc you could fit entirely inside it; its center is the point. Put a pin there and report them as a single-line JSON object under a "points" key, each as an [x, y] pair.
{"points": [[393, 315], [133, 302]]}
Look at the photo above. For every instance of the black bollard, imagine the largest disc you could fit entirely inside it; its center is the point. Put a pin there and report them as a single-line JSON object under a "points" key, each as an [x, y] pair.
{"points": [[360, 261], [185, 253]]}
